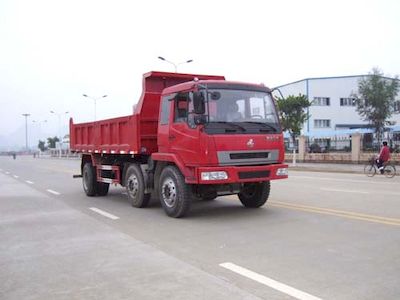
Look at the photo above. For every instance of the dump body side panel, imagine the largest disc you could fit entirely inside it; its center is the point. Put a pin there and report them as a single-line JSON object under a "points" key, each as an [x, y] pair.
{"points": [[117, 135], [132, 134]]}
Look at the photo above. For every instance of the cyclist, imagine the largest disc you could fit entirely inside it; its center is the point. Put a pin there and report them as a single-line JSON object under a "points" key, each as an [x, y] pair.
{"points": [[384, 156]]}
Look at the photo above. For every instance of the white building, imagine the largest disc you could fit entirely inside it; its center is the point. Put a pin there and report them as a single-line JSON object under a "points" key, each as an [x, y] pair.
{"points": [[333, 107]]}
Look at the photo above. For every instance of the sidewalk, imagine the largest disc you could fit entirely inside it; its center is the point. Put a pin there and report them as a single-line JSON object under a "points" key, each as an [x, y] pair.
{"points": [[327, 167]]}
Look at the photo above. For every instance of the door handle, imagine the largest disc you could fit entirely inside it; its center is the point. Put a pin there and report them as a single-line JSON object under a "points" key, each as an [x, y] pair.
{"points": [[171, 137]]}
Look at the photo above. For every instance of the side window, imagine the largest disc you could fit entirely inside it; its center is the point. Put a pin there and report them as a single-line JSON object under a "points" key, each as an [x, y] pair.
{"points": [[165, 107], [181, 107]]}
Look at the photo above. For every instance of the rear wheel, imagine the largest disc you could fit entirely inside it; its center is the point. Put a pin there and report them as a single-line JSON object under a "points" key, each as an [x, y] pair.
{"points": [[175, 194], [254, 195], [89, 179], [102, 188], [389, 171], [370, 170], [135, 188]]}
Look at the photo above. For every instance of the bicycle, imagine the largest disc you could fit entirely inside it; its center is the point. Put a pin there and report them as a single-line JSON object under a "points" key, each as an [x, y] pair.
{"points": [[371, 169]]}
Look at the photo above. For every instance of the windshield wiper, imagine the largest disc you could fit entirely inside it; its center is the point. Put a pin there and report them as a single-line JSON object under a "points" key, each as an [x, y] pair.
{"points": [[231, 124], [264, 124]]}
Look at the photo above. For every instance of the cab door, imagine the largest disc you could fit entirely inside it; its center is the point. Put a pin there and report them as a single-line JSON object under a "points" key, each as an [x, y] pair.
{"points": [[165, 119], [184, 138]]}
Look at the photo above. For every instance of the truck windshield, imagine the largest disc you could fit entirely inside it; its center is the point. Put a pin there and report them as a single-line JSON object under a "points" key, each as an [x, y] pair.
{"points": [[241, 110]]}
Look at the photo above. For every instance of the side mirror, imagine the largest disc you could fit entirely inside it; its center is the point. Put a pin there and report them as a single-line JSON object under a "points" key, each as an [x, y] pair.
{"points": [[198, 103], [215, 95]]}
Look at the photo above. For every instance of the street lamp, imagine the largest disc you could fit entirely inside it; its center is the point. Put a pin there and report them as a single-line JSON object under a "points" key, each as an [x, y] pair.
{"points": [[39, 125], [26, 129], [59, 120], [95, 100], [59, 124], [174, 64]]}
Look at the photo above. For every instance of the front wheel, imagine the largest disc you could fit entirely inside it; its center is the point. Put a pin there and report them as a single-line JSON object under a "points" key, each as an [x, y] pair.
{"points": [[175, 194], [389, 171], [254, 195], [370, 170]]}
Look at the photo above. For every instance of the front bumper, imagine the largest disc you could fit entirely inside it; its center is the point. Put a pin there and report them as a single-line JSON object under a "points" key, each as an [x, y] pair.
{"points": [[237, 174]]}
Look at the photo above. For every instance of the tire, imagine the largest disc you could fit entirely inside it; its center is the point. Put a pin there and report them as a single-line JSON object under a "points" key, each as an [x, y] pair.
{"points": [[254, 195], [135, 187], [389, 171], [370, 170], [102, 188], [89, 179], [175, 195]]}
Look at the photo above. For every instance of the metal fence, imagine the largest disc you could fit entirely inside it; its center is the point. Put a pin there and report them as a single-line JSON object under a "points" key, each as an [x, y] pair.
{"points": [[370, 143], [328, 144]]}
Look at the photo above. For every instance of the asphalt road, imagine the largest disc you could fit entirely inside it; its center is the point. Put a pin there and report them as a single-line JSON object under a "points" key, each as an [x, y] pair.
{"points": [[320, 236]]}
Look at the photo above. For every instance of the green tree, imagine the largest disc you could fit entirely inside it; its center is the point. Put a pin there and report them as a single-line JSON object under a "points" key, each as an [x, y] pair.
{"points": [[42, 146], [375, 99], [51, 141], [293, 114]]}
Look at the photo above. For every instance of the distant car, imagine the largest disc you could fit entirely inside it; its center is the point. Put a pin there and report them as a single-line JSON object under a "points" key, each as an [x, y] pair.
{"points": [[315, 148]]}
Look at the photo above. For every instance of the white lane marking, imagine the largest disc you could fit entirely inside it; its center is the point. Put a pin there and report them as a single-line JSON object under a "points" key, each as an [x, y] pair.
{"points": [[343, 180], [15, 176], [7, 173], [1, 170], [104, 213], [28, 181], [343, 191], [281, 287], [53, 192]]}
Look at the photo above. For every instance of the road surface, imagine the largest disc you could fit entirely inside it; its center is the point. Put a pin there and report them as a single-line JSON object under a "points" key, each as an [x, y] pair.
{"points": [[320, 236]]}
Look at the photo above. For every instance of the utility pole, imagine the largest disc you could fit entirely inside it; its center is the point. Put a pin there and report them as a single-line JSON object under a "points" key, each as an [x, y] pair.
{"points": [[26, 129]]}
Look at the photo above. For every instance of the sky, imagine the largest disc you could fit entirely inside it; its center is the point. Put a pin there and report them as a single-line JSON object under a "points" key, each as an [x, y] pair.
{"points": [[53, 51]]}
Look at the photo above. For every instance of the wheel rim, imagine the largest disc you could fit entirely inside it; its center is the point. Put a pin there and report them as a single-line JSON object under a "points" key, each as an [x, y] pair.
{"points": [[169, 194], [133, 186]]}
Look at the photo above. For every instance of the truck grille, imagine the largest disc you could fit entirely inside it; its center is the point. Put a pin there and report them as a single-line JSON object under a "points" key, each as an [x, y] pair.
{"points": [[249, 155], [253, 174]]}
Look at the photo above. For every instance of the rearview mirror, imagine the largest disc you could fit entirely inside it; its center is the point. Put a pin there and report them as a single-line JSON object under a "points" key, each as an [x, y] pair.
{"points": [[199, 103], [215, 95]]}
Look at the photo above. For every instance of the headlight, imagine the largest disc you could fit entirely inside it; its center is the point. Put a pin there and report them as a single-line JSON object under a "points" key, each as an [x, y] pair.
{"points": [[282, 172], [221, 175]]}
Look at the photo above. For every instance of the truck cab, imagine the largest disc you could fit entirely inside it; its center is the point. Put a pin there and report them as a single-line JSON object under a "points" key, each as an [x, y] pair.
{"points": [[225, 137]]}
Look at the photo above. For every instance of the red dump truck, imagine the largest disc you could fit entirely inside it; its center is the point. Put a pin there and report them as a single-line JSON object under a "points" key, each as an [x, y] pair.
{"points": [[189, 137]]}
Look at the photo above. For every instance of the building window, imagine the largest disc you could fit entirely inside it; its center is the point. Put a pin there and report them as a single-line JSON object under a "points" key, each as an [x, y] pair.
{"points": [[347, 101], [321, 101], [320, 123]]}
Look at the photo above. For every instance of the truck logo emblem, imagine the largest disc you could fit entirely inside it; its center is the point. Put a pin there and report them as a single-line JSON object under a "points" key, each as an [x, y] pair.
{"points": [[250, 143]]}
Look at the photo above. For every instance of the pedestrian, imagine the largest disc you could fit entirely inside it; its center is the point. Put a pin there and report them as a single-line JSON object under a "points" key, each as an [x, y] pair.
{"points": [[384, 156]]}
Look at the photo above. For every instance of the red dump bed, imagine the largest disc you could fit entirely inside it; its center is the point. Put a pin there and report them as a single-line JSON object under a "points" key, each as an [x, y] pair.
{"points": [[136, 133]]}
